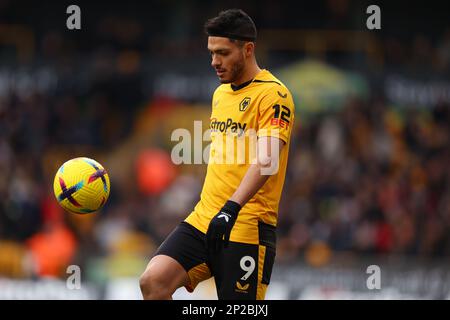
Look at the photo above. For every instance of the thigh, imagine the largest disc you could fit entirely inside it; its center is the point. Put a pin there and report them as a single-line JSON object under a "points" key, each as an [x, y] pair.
{"points": [[166, 272], [186, 246]]}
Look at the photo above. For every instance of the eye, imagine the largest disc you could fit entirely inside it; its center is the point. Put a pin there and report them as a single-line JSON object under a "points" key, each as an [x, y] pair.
{"points": [[223, 52]]}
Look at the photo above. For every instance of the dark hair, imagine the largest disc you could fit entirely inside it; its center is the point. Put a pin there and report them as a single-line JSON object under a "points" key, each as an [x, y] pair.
{"points": [[234, 24]]}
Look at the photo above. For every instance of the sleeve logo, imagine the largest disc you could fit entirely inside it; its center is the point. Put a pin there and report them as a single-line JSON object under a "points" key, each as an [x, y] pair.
{"points": [[281, 116], [282, 95]]}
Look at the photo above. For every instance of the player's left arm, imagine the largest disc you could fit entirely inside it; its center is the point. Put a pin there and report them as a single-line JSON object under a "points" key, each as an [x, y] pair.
{"points": [[257, 174], [268, 155], [275, 120]]}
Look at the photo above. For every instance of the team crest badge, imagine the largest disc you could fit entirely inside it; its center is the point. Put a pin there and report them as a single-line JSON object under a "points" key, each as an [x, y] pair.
{"points": [[244, 104]]}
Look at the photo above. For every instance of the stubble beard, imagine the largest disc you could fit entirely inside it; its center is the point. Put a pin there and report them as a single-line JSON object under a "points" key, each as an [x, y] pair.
{"points": [[236, 72]]}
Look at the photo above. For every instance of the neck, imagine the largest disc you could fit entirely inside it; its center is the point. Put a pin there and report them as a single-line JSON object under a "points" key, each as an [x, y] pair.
{"points": [[249, 73]]}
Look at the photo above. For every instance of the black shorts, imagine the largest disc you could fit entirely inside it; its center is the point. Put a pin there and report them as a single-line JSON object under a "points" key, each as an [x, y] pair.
{"points": [[241, 271]]}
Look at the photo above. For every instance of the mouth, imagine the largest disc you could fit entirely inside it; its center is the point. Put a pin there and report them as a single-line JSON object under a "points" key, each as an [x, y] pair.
{"points": [[220, 72]]}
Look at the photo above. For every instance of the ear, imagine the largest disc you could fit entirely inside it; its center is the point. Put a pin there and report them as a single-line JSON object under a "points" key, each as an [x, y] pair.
{"points": [[249, 49]]}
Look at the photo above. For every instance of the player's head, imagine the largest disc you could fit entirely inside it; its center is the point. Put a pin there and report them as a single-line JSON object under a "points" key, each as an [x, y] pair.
{"points": [[231, 41]]}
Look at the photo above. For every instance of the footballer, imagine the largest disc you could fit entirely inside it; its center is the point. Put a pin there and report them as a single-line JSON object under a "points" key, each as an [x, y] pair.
{"points": [[231, 233]]}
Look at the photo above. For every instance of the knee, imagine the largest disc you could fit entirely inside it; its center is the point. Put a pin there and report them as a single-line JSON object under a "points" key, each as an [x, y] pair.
{"points": [[153, 288]]}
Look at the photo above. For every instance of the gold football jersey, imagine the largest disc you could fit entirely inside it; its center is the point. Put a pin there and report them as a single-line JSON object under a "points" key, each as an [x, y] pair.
{"points": [[261, 107]]}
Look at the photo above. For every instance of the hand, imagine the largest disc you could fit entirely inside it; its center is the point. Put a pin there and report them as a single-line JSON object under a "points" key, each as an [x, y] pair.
{"points": [[218, 234]]}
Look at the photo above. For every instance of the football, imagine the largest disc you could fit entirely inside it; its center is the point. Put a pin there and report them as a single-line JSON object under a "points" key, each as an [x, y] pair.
{"points": [[81, 185]]}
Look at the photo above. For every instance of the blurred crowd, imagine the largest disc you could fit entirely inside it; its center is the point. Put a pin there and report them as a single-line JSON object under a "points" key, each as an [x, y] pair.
{"points": [[366, 179], [370, 177]]}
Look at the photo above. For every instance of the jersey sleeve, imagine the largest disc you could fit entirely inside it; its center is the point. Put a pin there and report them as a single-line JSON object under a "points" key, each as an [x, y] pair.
{"points": [[276, 114]]}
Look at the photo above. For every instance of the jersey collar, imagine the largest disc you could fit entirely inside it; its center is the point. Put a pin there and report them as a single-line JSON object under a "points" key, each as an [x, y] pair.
{"points": [[243, 85]]}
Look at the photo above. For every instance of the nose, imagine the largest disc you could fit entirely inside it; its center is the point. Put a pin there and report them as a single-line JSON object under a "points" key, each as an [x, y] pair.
{"points": [[215, 62]]}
